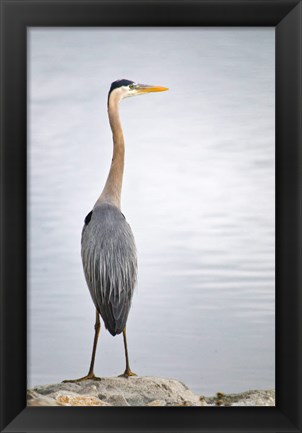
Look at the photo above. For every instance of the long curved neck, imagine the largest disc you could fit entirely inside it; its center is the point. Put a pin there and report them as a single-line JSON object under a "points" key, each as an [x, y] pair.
{"points": [[113, 187]]}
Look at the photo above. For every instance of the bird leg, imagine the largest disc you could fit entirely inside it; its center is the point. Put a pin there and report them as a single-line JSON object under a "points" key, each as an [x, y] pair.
{"points": [[128, 371], [90, 374]]}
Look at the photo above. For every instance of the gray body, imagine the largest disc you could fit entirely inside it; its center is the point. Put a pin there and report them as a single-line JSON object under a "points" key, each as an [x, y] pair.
{"points": [[110, 264]]}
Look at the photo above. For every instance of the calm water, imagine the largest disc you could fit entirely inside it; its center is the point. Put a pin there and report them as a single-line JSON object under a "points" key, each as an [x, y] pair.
{"points": [[198, 193]]}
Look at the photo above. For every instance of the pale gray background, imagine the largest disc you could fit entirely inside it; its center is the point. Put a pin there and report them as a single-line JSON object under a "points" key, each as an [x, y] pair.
{"points": [[198, 193]]}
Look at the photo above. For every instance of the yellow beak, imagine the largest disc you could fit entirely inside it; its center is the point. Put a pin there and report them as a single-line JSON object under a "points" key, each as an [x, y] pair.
{"points": [[144, 88]]}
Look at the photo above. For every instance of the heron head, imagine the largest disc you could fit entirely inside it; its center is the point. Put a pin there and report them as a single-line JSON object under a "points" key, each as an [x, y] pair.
{"points": [[126, 88]]}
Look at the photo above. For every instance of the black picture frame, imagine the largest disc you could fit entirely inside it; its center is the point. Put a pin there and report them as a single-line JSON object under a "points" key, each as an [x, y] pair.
{"points": [[16, 16]]}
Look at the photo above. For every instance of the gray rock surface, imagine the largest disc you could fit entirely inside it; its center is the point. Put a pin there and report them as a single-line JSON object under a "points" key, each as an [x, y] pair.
{"points": [[248, 398], [137, 391]]}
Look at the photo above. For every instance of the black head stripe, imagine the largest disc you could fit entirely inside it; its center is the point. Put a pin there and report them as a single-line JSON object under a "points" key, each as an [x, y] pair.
{"points": [[119, 83]]}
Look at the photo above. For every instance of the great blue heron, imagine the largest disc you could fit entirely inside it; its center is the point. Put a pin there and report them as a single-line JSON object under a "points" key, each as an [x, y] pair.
{"points": [[107, 246]]}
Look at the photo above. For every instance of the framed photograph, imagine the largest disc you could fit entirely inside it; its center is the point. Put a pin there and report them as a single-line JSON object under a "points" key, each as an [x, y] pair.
{"points": [[176, 214]]}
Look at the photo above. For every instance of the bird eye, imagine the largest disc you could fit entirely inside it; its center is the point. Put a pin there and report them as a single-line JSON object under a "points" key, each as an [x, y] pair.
{"points": [[131, 86]]}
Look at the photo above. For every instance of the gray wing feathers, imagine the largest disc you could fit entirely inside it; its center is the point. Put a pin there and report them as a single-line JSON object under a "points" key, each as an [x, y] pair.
{"points": [[110, 265]]}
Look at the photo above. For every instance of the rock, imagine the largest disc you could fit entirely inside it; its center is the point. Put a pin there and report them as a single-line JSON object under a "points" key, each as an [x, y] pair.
{"points": [[120, 391], [80, 400], [257, 398], [117, 400], [138, 391], [42, 401], [31, 394], [248, 398], [50, 389], [156, 403]]}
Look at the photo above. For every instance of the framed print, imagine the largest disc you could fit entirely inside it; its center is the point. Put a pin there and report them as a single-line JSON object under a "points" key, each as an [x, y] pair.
{"points": [[209, 180]]}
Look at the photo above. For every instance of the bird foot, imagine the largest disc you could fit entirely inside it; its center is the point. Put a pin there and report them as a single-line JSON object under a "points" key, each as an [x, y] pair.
{"points": [[127, 373], [89, 376]]}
